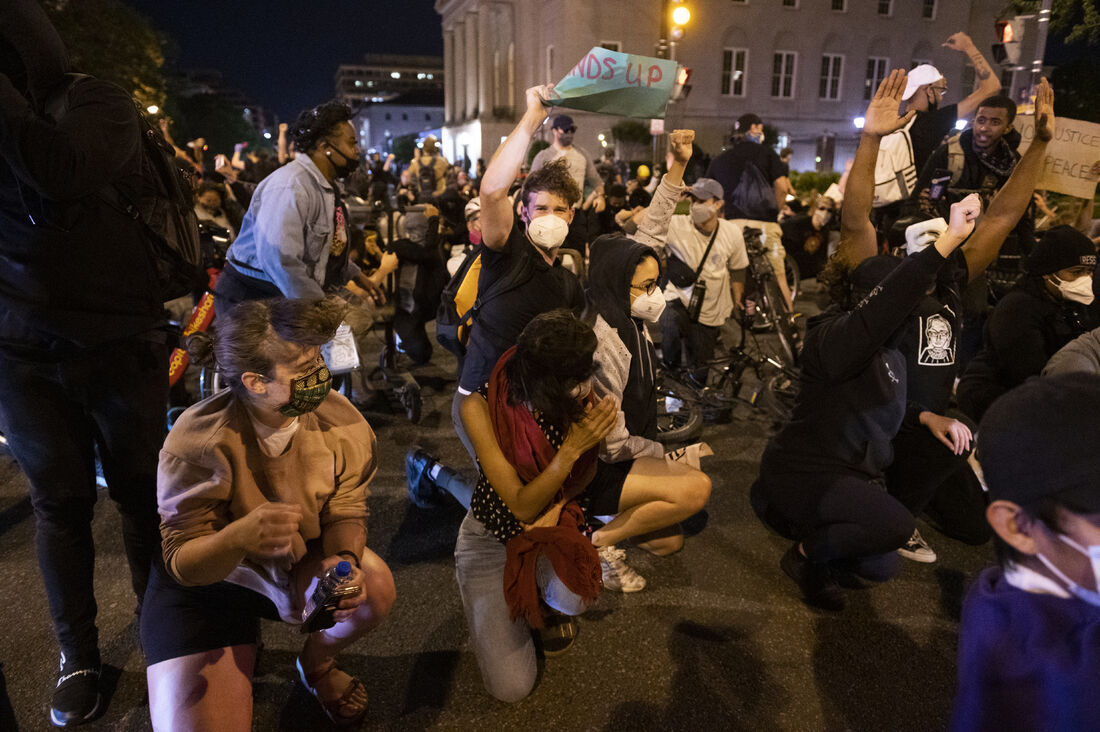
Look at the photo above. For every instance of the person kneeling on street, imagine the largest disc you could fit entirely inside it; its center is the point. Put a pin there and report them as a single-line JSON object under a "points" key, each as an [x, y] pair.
{"points": [[253, 514]]}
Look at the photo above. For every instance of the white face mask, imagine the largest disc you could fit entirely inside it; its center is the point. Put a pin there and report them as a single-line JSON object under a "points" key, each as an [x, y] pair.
{"points": [[1078, 290], [547, 231], [648, 307], [1092, 597], [924, 234], [701, 213]]}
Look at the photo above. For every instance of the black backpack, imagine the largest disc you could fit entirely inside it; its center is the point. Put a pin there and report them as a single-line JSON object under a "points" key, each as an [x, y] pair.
{"points": [[426, 177], [162, 205], [753, 197]]}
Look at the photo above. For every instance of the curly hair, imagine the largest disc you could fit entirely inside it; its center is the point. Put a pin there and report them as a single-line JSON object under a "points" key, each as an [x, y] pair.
{"points": [[554, 177], [314, 125], [836, 278], [554, 354], [255, 335]]}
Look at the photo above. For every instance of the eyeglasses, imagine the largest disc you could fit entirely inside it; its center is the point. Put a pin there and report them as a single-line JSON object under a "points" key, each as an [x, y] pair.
{"points": [[826, 209], [941, 90], [648, 287]]}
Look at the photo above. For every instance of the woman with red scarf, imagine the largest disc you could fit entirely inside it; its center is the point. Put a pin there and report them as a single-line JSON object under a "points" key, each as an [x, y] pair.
{"points": [[536, 429]]}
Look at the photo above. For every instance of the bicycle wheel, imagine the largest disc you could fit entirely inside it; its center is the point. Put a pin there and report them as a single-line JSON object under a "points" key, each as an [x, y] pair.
{"points": [[779, 394], [679, 411], [785, 331], [210, 382]]}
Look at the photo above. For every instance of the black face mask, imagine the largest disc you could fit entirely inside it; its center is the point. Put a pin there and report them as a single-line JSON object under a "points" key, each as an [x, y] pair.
{"points": [[349, 166]]}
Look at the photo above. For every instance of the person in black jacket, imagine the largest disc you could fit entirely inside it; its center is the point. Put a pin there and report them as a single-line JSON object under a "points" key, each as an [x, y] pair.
{"points": [[1047, 310], [83, 336], [421, 276], [821, 477]]}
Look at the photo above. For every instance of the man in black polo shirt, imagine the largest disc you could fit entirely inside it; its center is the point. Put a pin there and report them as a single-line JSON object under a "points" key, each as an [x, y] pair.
{"points": [[524, 250]]}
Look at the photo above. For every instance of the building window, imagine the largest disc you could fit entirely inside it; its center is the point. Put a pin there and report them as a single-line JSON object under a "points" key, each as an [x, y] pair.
{"points": [[611, 45], [829, 85], [405, 116], [790, 3], [918, 61], [783, 64], [740, 2], [928, 9], [734, 62], [388, 116], [876, 72], [886, 7], [840, 5], [427, 118]]}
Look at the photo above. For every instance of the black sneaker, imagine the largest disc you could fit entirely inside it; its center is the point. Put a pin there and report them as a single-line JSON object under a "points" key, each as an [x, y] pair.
{"points": [[76, 699], [422, 489], [819, 587]]}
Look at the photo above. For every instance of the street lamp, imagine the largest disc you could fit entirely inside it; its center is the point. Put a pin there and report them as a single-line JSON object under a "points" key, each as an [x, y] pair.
{"points": [[152, 109]]}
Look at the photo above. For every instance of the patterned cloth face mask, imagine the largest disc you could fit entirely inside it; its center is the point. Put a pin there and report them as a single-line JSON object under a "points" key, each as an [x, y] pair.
{"points": [[307, 392]]}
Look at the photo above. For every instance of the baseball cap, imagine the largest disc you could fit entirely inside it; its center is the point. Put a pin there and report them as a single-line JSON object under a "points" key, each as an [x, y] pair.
{"points": [[1039, 440], [473, 207], [707, 188], [562, 122], [918, 77], [1060, 248], [923, 234]]}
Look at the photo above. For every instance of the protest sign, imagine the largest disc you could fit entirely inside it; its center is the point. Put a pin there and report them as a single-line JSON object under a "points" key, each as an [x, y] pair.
{"points": [[624, 84], [1070, 155]]}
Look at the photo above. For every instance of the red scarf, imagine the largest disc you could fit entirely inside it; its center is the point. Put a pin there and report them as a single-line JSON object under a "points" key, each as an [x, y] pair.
{"points": [[573, 556]]}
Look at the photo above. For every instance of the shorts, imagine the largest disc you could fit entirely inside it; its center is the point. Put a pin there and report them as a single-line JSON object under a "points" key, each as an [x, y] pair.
{"points": [[180, 621], [601, 497]]}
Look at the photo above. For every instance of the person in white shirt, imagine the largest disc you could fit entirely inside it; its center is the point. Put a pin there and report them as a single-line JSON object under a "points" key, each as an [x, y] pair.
{"points": [[689, 237]]}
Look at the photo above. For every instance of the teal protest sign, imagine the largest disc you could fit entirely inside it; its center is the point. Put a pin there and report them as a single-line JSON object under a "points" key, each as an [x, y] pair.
{"points": [[610, 82]]}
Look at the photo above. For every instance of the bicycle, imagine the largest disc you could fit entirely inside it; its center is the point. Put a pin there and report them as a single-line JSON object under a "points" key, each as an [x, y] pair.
{"points": [[764, 302], [683, 402]]}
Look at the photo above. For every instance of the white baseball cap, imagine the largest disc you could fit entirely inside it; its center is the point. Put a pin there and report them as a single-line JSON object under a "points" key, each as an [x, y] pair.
{"points": [[923, 234], [918, 77]]}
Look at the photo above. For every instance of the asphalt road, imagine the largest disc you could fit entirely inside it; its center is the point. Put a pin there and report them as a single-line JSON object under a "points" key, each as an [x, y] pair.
{"points": [[719, 639]]}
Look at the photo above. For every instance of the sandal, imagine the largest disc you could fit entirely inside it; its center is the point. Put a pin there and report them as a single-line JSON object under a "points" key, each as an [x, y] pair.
{"points": [[557, 634], [342, 711]]}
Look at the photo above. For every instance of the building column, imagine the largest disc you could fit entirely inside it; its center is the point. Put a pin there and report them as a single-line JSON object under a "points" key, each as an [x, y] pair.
{"points": [[460, 73], [471, 66], [448, 77], [487, 48]]}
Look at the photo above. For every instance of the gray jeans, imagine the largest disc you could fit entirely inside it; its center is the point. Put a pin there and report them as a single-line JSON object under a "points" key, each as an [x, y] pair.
{"points": [[504, 647]]}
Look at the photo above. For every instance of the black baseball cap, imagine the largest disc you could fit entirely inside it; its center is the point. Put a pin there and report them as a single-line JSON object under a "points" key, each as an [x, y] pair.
{"points": [[1061, 248], [562, 122], [1039, 441]]}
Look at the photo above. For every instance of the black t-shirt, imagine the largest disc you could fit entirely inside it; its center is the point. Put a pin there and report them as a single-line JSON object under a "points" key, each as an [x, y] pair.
{"points": [[928, 131], [727, 169], [930, 344], [500, 320]]}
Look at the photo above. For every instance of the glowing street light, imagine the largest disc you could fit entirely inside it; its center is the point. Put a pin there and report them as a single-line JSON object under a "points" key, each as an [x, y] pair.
{"points": [[681, 15], [152, 109], [858, 122]]}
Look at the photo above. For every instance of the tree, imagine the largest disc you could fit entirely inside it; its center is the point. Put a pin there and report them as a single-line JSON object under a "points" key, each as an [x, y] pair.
{"points": [[214, 118], [112, 41], [1076, 20], [404, 148]]}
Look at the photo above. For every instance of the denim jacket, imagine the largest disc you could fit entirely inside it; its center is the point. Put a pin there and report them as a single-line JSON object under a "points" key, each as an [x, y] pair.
{"points": [[286, 236]]}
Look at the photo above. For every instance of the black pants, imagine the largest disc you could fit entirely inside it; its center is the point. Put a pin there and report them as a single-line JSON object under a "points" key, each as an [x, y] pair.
{"points": [[235, 287], [927, 477], [415, 342], [55, 415], [835, 516], [677, 331]]}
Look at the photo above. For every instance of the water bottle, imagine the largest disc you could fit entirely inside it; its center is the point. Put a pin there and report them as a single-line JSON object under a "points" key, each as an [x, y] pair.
{"points": [[333, 586]]}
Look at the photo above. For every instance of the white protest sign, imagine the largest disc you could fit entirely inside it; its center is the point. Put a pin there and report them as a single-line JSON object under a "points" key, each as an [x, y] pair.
{"points": [[1070, 155]]}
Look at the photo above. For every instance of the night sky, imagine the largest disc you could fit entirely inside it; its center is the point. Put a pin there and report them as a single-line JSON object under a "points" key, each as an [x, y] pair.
{"points": [[284, 54]]}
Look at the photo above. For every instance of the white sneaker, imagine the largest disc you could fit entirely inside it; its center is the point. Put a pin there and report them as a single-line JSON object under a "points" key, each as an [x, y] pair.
{"points": [[917, 549], [616, 574]]}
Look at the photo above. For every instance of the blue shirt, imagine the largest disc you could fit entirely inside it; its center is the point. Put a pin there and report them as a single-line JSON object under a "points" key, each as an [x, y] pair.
{"points": [[289, 231]]}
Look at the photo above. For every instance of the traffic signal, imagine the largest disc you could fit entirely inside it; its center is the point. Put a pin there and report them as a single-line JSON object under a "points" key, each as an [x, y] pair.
{"points": [[1010, 36], [682, 87], [680, 16]]}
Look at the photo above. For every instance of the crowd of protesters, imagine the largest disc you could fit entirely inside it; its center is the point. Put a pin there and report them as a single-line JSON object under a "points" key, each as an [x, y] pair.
{"points": [[234, 515]]}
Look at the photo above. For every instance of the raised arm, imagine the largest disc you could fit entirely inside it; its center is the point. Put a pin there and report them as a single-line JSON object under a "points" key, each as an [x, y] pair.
{"points": [[988, 83], [653, 221], [496, 209], [1012, 200], [857, 233]]}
